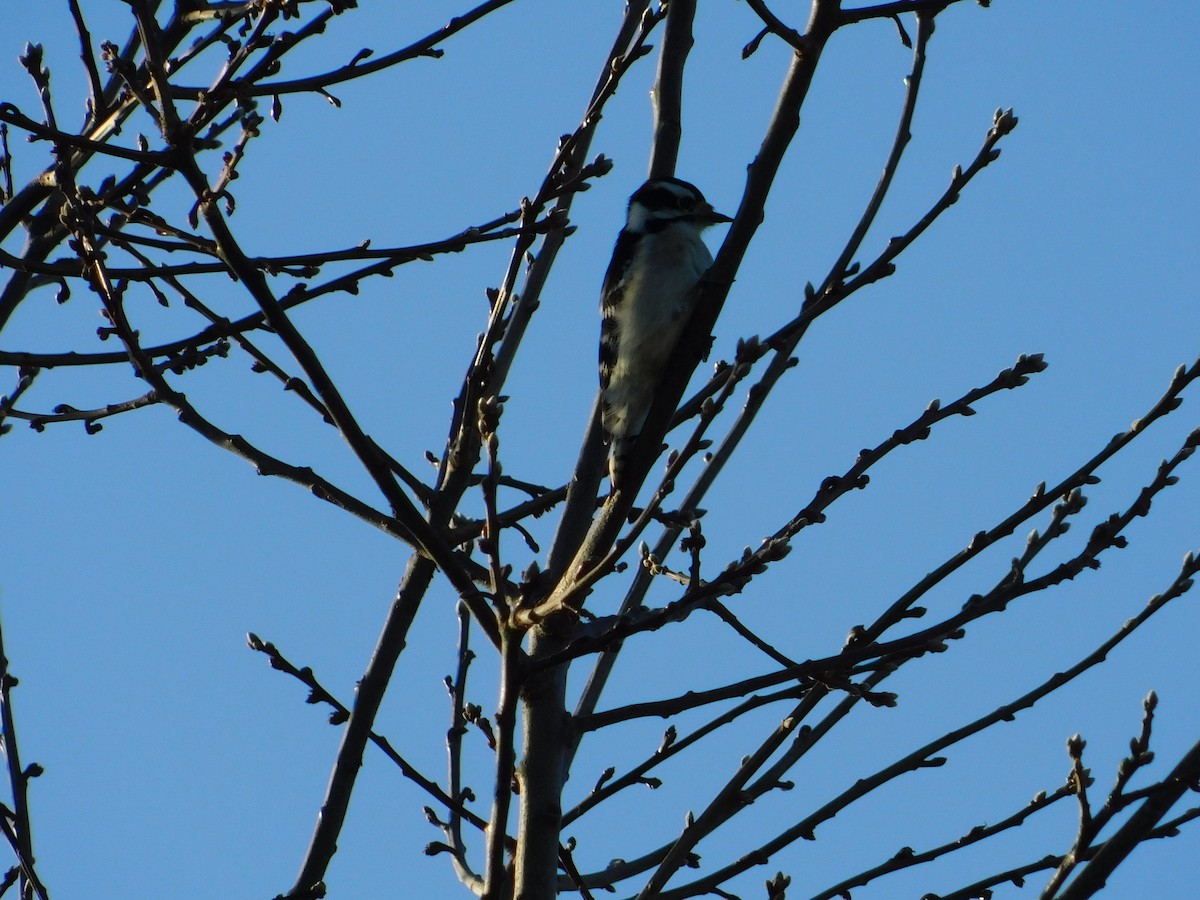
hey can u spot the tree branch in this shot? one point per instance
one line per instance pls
(19, 833)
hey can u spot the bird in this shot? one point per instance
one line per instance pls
(646, 301)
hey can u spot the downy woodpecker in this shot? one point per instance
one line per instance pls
(646, 302)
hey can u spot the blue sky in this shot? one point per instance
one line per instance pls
(134, 561)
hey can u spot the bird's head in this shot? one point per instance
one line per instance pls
(662, 202)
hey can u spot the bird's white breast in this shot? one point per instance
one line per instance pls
(658, 290)
(654, 308)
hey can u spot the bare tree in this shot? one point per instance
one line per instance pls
(124, 218)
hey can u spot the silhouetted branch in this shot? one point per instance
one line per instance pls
(898, 8)
(64, 412)
(25, 378)
(672, 745)
(317, 693)
(666, 97)
(457, 686)
(10, 115)
(772, 25)
(1018, 874)
(726, 615)
(300, 264)
(96, 106)
(906, 857)
(16, 823)
(359, 67)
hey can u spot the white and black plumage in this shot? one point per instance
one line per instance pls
(646, 301)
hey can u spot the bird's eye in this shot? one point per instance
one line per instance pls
(684, 203)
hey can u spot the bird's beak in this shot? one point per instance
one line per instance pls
(716, 218)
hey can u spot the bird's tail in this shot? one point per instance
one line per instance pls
(618, 452)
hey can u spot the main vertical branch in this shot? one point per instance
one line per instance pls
(545, 735)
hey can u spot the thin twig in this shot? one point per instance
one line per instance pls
(906, 857)
(19, 834)
(672, 745)
(317, 693)
(424, 47)
(454, 734)
(773, 25)
(96, 98)
(1139, 827)
(25, 378)
(496, 873)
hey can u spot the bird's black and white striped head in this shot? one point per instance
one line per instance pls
(663, 202)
